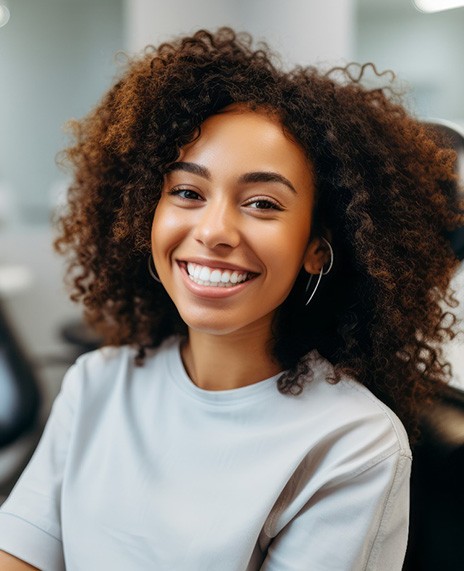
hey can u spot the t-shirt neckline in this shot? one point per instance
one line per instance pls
(181, 379)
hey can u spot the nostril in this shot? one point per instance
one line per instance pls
(217, 231)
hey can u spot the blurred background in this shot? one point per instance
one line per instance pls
(57, 57)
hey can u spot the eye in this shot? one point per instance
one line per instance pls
(185, 193)
(263, 204)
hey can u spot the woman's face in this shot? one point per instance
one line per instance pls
(231, 230)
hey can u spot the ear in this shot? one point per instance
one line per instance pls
(317, 255)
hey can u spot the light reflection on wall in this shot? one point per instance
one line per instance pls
(437, 5)
(4, 15)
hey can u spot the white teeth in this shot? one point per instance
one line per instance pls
(225, 277)
(215, 276)
(203, 275)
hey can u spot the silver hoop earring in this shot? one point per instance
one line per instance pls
(152, 269)
(321, 273)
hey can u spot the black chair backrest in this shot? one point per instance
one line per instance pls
(437, 479)
(19, 388)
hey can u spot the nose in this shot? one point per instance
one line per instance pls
(217, 226)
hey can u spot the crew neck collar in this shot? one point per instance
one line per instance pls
(179, 376)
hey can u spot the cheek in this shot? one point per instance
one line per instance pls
(163, 223)
(157, 221)
(159, 234)
(167, 231)
(290, 243)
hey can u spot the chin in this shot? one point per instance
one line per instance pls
(225, 322)
(211, 328)
(209, 322)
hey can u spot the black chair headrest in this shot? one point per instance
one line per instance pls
(452, 136)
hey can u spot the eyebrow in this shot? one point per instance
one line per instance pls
(265, 176)
(189, 167)
(250, 177)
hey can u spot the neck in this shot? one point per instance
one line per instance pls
(221, 362)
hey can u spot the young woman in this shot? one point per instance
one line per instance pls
(265, 255)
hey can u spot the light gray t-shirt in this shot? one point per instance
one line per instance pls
(139, 469)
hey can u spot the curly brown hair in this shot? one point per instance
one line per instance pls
(384, 185)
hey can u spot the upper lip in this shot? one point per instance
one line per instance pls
(219, 264)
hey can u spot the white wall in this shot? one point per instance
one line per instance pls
(152, 21)
(56, 59)
(302, 31)
(425, 50)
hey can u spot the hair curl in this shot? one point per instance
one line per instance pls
(384, 190)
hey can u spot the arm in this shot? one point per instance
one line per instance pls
(359, 523)
(10, 563)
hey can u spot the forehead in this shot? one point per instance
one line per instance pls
(247, 140)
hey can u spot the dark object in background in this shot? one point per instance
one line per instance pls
(81, 337)
(453, 136)
(437, 481)
(437, 489)
(19, 389)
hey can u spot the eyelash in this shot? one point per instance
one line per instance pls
(178, 191)
(272, 205)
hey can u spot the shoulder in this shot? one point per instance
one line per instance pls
(352, 421)
(111, 358)
(100, 372)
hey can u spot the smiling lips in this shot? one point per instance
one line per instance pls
(215, 277)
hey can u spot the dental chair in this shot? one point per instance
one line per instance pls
(19, 392)
(436, 537)
(19, 407)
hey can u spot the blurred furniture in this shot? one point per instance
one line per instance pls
(437, 479)
(437, 489)
(80, 336)
(19, 389)
(20, 394)
(453, 136)
(20, 402)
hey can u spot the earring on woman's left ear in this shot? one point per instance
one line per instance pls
(323, 272)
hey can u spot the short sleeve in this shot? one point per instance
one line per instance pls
(357, 524)
(30, 526)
